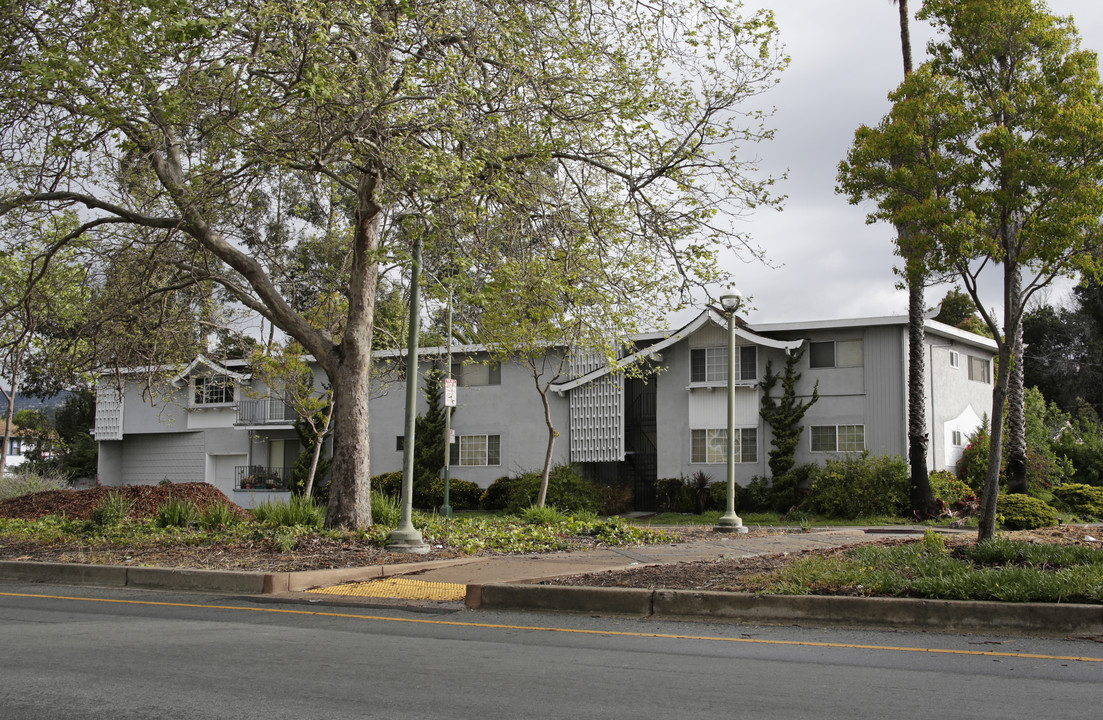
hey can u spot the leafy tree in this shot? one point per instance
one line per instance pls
(994, 149)
(785, 413)
(77, 449)
(44, 289)
(1064, 355)
(188, 119)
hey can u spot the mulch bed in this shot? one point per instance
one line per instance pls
(144, 499)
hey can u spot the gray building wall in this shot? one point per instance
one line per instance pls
(511, 410)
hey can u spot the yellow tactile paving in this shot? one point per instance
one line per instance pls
(399, 588)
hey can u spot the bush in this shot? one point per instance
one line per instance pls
(1082, 446)
(973, 465)
(672, 495)
(757, 496)
(615, 499)
(791, 489)
(298, 510)
(177, 512)
(388, 483)
(496, 496)
(462, 494)
(718, 496)
(22, 483)
(568, 490)
(218, 515)
(950, 489)
(1081, 499)
(385, 509)
(112, 510)
(1022, 512)
(860, 485)
(547, 515)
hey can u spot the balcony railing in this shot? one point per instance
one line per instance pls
(260, 477)
(264, 412)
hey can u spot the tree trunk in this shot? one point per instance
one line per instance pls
(319, 442)
(905, 36)
(1016, 410)
(542, 496)
(350, 373)
(922, 499)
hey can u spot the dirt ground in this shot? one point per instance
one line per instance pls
(322, 553)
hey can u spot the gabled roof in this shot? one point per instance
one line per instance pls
(210, 364)
(742, 330)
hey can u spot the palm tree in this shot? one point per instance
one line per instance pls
(922, 499)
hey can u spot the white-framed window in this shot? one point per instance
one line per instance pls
(474, 450)
(212, 390)
(956, 438)
(710, 364)
(955, 359)
(711, 445)
(980, 370)
(838, 438)
(835, 353)
(476, 374)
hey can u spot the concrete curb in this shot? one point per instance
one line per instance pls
(191, 580)
(887, 613)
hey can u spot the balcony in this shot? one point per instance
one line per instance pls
(259, 477)
(264, 412)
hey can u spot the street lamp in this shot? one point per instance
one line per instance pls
(729, 522)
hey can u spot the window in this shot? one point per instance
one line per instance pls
(215, 390)
(955, 438)
(710, 364)
(16, 447)
(838, 438)
(475, 374)
(955, 359)
(476, 450)
(400, 443)
(711, 446)
(979, 369)
(844, 353)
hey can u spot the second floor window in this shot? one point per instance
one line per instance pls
(710, 364)
(214, 390)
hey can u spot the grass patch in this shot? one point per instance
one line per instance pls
(999, 569)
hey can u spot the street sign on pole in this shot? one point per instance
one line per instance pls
(449, 392)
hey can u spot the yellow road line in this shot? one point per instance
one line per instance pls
(575, 631)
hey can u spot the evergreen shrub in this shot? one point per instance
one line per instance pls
(860, 485)
(568, 491)
(1081, 499)
(949, 488)
(1023, 512)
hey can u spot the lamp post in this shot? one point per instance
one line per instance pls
(729, 522)
(449, 403)
(407, 538)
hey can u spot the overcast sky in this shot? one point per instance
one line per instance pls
(845, 59)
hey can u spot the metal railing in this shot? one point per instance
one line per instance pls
(264, 412)
(261, 477)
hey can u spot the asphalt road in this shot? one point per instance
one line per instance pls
(89, 653)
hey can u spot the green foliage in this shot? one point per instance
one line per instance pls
(859, 485)
(934, 542)
(791, 489)
(177, 512)
(462, 494)
(973, 465)
(757, 496)
(24, 482)
(949, 488)
(385, 509)
(547, 515)
(77, 450)
(1023, 512)
(568, 490)
(998, 569)
(785, 414)
(218, 515)
(297, 510)
(472, 535)
(496, 496)
(112, 510)
(388, 483)
(308, 432)
(1081, 499)
(1081, 445)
